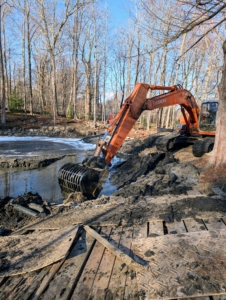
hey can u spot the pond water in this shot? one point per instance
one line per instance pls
(15, 182)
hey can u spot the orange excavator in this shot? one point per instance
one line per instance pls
(197, 126)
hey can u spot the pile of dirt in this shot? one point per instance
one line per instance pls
(154, 174)
(137, 145)
(17, 212)
(130, 211)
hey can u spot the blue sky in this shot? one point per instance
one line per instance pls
(118, 11)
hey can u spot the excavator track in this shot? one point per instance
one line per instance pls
(166, 142)
(203, 146)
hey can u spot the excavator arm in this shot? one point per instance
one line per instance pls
(135, 104)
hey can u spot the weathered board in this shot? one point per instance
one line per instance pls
(214, 223)
(24, 254)
(20, 288)
(86, 280)
(62, 285)
(155, 228)
(46, 280)
(103, 274)
(218, 191)
(119, 273)
(140, 231)
(194, 192)
(193, 225)
(176, 227)
(131, 287)
(28, 288)
(113, 248)
(10, 285)
(183, 265)
(220, 297)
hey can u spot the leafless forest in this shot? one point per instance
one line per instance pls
(70, 57)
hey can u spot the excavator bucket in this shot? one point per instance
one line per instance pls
(79, 178)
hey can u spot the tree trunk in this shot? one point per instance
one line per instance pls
(53, 84)
(128, 80)
(3, 115)
(218, 157)
(29, 56)
(7, 94)
(95, 76)
(161, 113)
(24, 70)
(88, 96)
(74, 89)
(104, 82)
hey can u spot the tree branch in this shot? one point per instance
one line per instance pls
(208, 31)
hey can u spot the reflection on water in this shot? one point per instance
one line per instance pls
(15, 182)
(43, 181)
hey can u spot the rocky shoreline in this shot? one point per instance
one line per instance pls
(50, 131)
(28, 163)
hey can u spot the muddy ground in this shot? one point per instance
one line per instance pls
(28, 163)
(145, 179)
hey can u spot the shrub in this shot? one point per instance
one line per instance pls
(69, 112)
(15, 103)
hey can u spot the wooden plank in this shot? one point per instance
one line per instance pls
(194, 192)
(46, 280)
(218, 191)
(8, 287)
(214, 223)
(102, 277)
(35, 251)
(113, 249)
(116, 288)
(199, 298)
(176, 227)
(183, 265)
(193, 225)
(131, 286)
(219, 297)
(19, 290)
(155, 228)
(29, 290)
(2, 279)
(140, 231)
(86, 280)
(62, 286)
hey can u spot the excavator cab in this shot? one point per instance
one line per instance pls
(208, 116)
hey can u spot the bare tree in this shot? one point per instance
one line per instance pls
(218, 157)
(51, 29)
(3, 91)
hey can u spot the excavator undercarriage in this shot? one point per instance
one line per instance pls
(200, 146)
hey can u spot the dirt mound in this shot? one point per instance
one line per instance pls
(137, 145)
(154, 174)
(17, 212)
